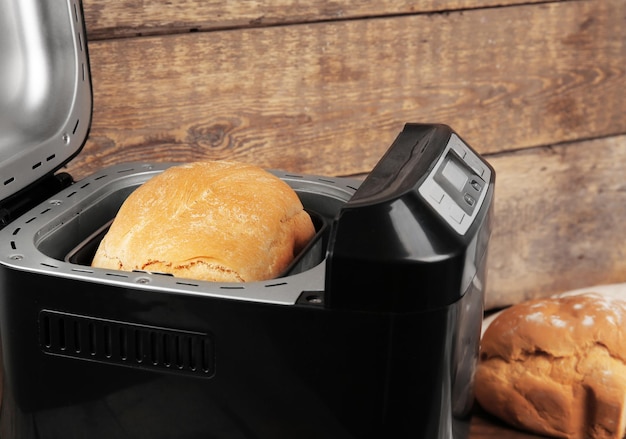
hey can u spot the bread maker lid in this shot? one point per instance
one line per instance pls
(45, 89)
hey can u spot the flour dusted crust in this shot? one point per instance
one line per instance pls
(215, 221)
(557, 366)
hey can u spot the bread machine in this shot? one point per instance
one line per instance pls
(372, 333)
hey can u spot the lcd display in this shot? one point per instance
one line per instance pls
(455, 175)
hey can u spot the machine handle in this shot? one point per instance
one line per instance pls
(403, 165)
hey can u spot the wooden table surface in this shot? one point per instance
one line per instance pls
(485, 426)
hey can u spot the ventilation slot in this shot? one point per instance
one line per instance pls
(126, 344)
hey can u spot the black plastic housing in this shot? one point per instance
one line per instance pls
(271, 371)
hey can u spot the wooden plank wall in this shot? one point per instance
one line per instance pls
(323, 87)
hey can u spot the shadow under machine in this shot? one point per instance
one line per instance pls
(373, 332)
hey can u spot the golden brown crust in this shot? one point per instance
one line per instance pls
(215, 221)
(557, 367)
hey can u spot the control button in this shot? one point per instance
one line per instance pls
(459, 150)
(456, 213)
(476, 185)
(436, 193)
(458, 146)
(475, 164)
(469, 199)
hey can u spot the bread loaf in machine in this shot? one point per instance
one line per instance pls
(211, 220)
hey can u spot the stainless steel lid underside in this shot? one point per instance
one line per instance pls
(45, 90)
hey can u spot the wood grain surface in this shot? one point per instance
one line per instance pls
(111, 19)
(324, 87)
(559, 220)
(328, 98)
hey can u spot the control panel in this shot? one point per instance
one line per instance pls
(457, 185)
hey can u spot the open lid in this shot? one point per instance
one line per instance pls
(45, 89)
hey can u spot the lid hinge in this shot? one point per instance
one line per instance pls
(32, 195)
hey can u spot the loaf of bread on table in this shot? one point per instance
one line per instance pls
(215, 221)
(557, 366)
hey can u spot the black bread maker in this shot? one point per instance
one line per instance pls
(373, 332)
